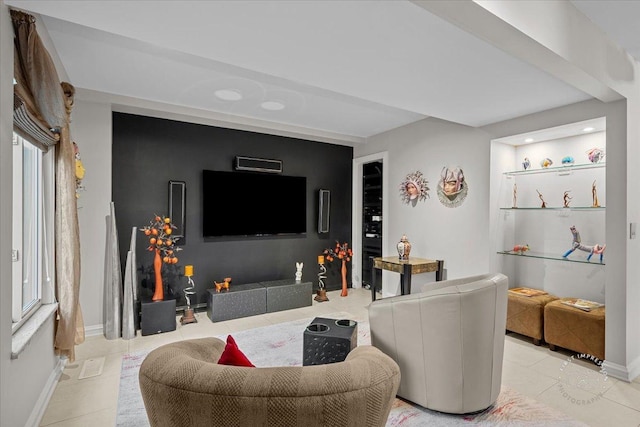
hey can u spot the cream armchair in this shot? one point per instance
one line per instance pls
(448, 341)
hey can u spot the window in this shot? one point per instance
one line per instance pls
(32, 240)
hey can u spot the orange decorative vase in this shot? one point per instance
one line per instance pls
(343, 271)
(157, 268)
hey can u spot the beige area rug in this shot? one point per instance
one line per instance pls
(281, 345)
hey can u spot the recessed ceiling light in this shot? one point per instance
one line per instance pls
(272, 105)
(589, 129)
(528, 140)
(228, 95)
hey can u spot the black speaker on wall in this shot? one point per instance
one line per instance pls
(324, 205)
(258, 165)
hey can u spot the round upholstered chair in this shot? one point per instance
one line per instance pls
(448, 340)
(182, 385)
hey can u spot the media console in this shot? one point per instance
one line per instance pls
(257, 298)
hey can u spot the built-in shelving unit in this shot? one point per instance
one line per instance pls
(565, 169)
(574, 196)
(540, 255)
(534, 221)
(570, 208)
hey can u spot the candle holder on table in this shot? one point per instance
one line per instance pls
(321, 294)
(189, 316)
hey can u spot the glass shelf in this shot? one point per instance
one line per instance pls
(570, 208)
(595, 259)
(558, 169)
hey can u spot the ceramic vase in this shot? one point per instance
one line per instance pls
(343, 272)
(158, 295)
(404, 248)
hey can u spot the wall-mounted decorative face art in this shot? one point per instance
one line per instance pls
(452, 188)
(414, 188)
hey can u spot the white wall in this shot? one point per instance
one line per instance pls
(582, 55)
(457, 235)
(25, 383)
(461, 236)
(91, 130)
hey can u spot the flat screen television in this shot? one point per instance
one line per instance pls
(253, 204)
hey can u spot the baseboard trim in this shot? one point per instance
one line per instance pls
(35, 418)
(94, 330)
(625, 373)
(634, 369)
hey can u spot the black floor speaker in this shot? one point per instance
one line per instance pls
(157, 317)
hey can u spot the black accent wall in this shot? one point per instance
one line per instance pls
(149, 152)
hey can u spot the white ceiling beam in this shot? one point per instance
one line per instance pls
(550, 35)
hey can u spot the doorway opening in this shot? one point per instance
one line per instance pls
(372, 197)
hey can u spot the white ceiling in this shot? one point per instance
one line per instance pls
(345, 70)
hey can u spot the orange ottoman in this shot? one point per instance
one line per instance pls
(574, 329)
(525, 314)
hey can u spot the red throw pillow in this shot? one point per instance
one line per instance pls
(233, 356)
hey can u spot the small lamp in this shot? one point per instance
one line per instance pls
(321, 294)
(189, 316)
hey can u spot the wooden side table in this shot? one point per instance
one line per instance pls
(406, 268)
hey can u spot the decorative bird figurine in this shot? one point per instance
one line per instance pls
(526, 164)
(546, 162)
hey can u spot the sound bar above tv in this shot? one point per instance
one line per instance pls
(258, 165)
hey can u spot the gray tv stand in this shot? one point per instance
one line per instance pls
(251, 299)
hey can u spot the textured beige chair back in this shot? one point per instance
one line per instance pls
(448, 341)
(182, 385)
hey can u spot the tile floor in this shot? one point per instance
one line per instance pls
(534, 371)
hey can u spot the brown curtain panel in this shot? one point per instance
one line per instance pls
(39, 109)
(70, 326)
(42, 113)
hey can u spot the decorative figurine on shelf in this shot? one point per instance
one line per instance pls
(515, 196)
(321, 294)
(544, 204)
(189, 290)
(162, 242)
(594, 195)
(546, 162)
(404, 248)
(414, 188)
(566, 199)
(577, 244)
(526, 164)
(521, 248)
(224, 285)
(344, 253)
(567, 160)
(299, 271)
(595, 155)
